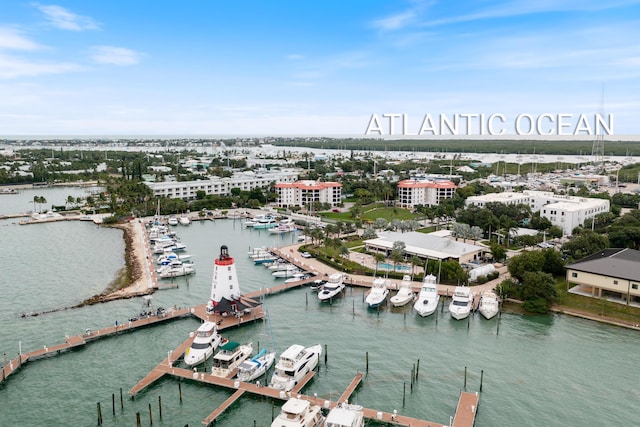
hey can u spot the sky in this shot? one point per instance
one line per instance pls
(290, 67)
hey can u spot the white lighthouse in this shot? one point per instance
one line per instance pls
(225, 290)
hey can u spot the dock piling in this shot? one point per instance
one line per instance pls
(465, 378)
(366, 364)
(160, 406)
(417, 369)
(121, 401)
(404, 393)
(150, 416)
(113, 404)
(325, 354)
(138, 420)
(481, 375)
(99, 415)
(180, 390)
(306, 299)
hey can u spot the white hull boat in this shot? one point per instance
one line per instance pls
(299, 413)
(294, 363)
(333, 287)
(184, 220)
(205, 342)
(461, 302)
(177, 271)
(286, 273)
(489, 304)
(345, 415)
(171, 256)
(249, 370)
(172, 220)
(428, 298)
(405, 294)
(378, 293)
(229, 357)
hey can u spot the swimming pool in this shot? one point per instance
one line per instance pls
(387, 266)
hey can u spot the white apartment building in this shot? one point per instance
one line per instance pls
(412, 192)
(304, 193)
(567, 212)
(245, 181)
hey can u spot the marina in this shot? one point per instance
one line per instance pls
(295, 314)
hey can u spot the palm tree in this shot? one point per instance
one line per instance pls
(415, 261)
(379, 258)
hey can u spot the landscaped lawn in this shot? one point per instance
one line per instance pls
(388, 214)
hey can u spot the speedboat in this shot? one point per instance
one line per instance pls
(378, 293)
(293, 365)
(266, 222)
(172, 220)
(405, 294)
(489, 304)
(229, 357)
(427, 301)
(332, 288)
(289, 272)
(461, 302)
(297, 277)
(299, 413)
(345, 415)
(170, 256)
(175, 269)
(249, 370)
(184, 220)
(205, 342)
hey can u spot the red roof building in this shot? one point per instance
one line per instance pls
(413, 192)
(305, 193)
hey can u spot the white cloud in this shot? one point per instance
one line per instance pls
(11, 38)
(395, 22)
(61, 18)
(12, 67)
(115, 55)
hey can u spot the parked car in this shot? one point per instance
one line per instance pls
(306, 255)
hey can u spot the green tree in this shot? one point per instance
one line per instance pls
(499, 252)
(538, 291)
(526, 262)
(586, 243)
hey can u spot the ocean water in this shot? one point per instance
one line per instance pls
(538, 370)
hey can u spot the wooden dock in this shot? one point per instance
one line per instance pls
(466, 410)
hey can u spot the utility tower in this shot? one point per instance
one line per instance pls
(597, 149)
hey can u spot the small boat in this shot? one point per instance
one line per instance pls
(316, 285)
(281, 265)
(172, 220)
(229, 357)
(289, 272)
(489, 304)
(333, 287)
(297, 277)
(345, 415)
(283, 227)
(170, 256)
(205, 342)
(176, 269)
(294, 363)
(249, 370)
(460, 305)
(378, 293)
(9, 191)
(299, 413)
(405, 294)
(266, 222)
(428, 298)
(184, 220)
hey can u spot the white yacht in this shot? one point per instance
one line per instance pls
(229, 357)
(172, 220)
(489, 304)
(175, 268)
(332, 288)
(345, 415)
(378, 293)
(184, 220)
(257, 366)
(405, 294)
(299, 413)
(428, 298)
(461, 302)
(206, 340)
(293, 365)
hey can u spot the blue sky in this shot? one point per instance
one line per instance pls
(297, 67)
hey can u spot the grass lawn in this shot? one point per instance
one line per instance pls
(338, 216)
(596, 306)
(388, 214)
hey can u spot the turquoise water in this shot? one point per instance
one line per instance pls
(538, 371)
(387, 266)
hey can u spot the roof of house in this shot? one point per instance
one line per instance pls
(622, 263)
(425, 245)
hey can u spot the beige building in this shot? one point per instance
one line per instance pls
(610, 273)
(413, 192)
(305, 193)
